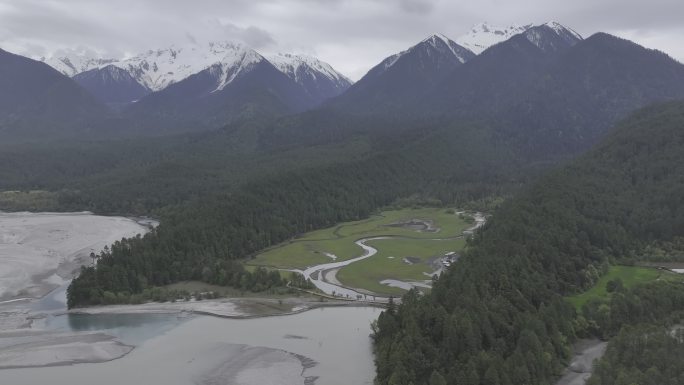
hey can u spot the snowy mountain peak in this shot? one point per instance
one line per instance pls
(482, 36)
(434, 39)
(74, 61)
(320, 79)
(296, 66)
(552, 36)
(234, 64)
(446, 45)
(438, 43)
(157, 69)
(560, 29)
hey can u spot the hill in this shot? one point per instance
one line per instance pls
(38, 101)
(498, 315)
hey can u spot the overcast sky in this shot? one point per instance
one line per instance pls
(351, 35)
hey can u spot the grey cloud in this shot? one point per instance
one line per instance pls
(191, 38)
(417, 6)
(254, 37)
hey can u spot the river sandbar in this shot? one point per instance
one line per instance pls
(41, 251)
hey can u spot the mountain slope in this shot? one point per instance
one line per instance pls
(111, 85)
(576, 98)
(74, 62)
(242, 86)
(404, 77)
(482, 36)
(551, 94)
(437, 76)
(35, 98)
(497, 316)
(495, 77)
(319, 79)
(544, 95)
(155, 70)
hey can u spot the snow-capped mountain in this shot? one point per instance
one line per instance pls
(484, 35)
(317, 77)
(404, 77)
(239, 88)
(73, 62)
(111, 85)
(155, 70)
(495, 76)
(36, 101)
(440, 45)
(558, 38)
(235, 64)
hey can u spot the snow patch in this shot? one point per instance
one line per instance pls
(298, 66)
(482, 36)
(561, 29)
(235, 64)
(158, 69)
(437, 42)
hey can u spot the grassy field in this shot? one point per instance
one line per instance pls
(630, 276)
(35, 200)
(310, 248)
(225, 291)
(389, 263)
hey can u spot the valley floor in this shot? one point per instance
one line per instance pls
(382, 256)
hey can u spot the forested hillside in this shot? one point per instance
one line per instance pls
(498, 316)
(37, 100)
(201, 238)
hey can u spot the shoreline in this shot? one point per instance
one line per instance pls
(231, 308)
(41, 349)
(41, 251)
(30, 347)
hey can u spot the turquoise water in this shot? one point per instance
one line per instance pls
(173, 351)
(131, 329)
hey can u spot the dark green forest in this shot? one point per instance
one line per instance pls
(498, 316)
(203, 238)
(644, 354)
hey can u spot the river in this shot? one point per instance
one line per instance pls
(40, 343)
(200, 349)
(325, 282)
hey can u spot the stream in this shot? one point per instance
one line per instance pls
(170, 344)
(317, 273)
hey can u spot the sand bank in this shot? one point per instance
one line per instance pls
(37, 349)
(40, 251)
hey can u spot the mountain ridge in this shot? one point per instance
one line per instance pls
(37, 99)
(403, 77)
(159, 68)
